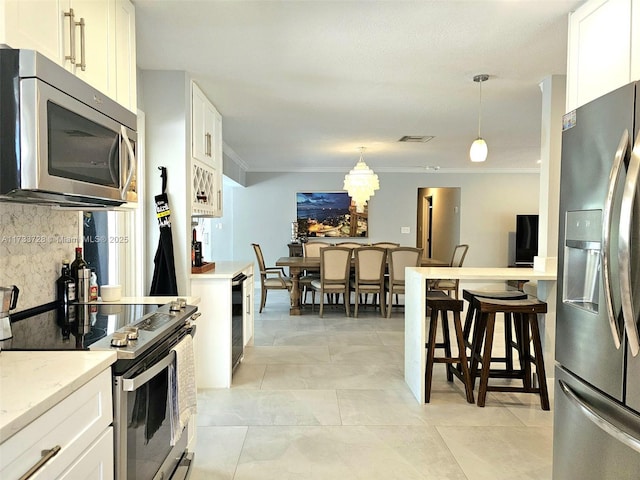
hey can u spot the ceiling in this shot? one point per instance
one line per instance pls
(301, 85)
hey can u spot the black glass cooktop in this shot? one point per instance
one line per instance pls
(57, 329)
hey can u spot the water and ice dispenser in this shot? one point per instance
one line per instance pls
(582, 251)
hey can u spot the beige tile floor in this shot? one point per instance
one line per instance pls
(325, 398)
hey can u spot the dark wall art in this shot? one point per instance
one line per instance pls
(329, 214)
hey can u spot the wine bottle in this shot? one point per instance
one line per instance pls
(76, 267)
(193, 248)
(66, 295)
(66, 287)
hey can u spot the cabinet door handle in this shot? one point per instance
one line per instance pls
(72, 37)
(248, 310)
(83, 63)
(46, 456)
(219, 200)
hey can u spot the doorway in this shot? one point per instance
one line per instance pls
(438, 222)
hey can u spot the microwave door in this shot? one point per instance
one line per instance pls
(72, 147)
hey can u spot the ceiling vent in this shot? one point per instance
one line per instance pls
(416, 138)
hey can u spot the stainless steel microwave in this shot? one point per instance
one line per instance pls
(62, 141)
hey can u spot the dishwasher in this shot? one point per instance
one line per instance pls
(237, 319)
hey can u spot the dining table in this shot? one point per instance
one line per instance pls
(297, 265)
(416, 304)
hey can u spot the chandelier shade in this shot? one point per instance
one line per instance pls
(361, 183)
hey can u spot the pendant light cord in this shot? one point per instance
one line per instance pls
(480, 109)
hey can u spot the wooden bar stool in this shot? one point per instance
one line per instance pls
(472, 317)
(441, 303)
(525, 317)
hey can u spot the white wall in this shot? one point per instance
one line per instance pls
(166, 103)
(263, 211)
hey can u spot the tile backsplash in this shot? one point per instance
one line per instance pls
(33, 242)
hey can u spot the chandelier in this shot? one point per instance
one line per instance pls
(479, 150)
(361, 183)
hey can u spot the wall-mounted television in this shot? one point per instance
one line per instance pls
(526, 239)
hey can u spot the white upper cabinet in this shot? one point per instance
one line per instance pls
(603, 49)
(199, 134)
(125, 52)
(94, 39)
(635, 40)
(35, 25)
(206, 152)
(206, 129)
(89, 44)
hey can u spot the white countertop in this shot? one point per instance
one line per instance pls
(33, 382)
(149, 300)
(484, 273)
(223, 270)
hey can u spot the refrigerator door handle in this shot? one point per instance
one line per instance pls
(589, 412)
(607, 224)
(627, 280)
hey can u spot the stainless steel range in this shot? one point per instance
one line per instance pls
(143, 337)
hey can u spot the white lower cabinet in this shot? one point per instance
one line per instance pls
(75, 435)
(213, 340)
(96, 462)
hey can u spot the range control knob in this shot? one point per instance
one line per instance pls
(119, 339)
(131, 332)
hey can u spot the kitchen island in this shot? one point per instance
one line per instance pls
(214, 335)
(416, 308)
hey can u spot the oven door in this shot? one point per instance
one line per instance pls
(68, 147)
(142, 423)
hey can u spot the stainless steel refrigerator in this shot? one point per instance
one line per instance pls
(597, 376)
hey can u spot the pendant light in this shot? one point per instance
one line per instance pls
(479, 150)
(361, 183)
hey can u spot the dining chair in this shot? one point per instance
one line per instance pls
(335, 265)
(371, 263)
(351, 245)
(385, 244)
(398, 259)
(271, 278)
(311, 249)
(446, 285)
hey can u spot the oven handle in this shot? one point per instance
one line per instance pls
(132, 384)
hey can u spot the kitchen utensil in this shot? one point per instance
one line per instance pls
(9, 296)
